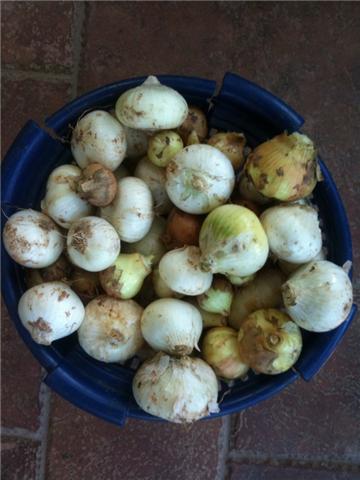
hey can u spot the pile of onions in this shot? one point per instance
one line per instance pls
(164, 237)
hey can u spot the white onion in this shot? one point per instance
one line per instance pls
(293, 232)
(93, 244)
(318, 296)
(171, 326)
(155, 179)
(151, 106)
(62, 202)
(98, 138)
(151, 244)
(199, 178)
(32, 239)
(110, 331)
(179, 390)
(131, 213)
(180, 270)
(50, 311)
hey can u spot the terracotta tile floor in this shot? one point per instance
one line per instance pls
(306, 53)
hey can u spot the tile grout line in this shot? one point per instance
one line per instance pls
(78, 31)
(19, 74)
(224, 447)
(43, 431)
(19, 432)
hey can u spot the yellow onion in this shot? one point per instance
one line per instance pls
(125, 277)
(231, 144)
(194, 122)
(232, 241)
(247, 191)
(218, 298)
(263, 292)
(193, 138)
(85, 284)
(220, 349)
(180, 390)
(182, 229)
(238, 280)
(163, 146)
(284, 167)
(209, 319)
(269, 341)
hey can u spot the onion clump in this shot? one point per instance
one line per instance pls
(180, 390)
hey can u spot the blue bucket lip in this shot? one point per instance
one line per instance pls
(74, 381)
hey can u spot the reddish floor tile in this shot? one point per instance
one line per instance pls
(27, 99)
(38, 35)
(20, 383)
(82, 447)
(310, 421)
(266, 472)
(18, 459)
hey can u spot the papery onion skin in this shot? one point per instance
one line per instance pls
(50, 311)
(98, 138)
(318, 296)
(232, 145)
(172, 326)
(180, 390)
(124, 279)
(151, 106)
(233, 242)
(32, 239)
(92, 244)
(182, 229)
(269, 341)
(97, 185)
(59, 271)
(155, 179)
(284, 167)
(151, 244)
(180, 270)
(62, 201)
(195, 121)
(220, 349)
(199, 178)
(111, 330)
(163, 146)
(132, 212)
(247, 191)
(293, 232)
(263, 292)
(85, 284)
(218, 298)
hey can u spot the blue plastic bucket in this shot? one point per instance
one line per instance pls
(105, 389)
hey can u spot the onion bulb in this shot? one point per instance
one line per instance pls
(218, 298)
(199, 178)
(194, 122)
(111, 331)
(163, 146)
(85, 284)
(182, 229)
(92, 244)
(97, 185)
(293, 232)
(284, 167)
(231, 144)
(180, 390)
(263, 292)
(269, 341)
(62, 201)
(209, 319)
(32, 239)
(131, 213)
(60, 271)
(248, 191)
(238, 280)
(180, 270)
(160, 287)
(125, 277)
(318, 296)
(50, 311)
(220, 349)
(287, 267)
(171, 326)
(136, 141)
(232, 241)
(98, 138)
(151, 244)
(155, 179)
(192, 139)
(151, 106)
